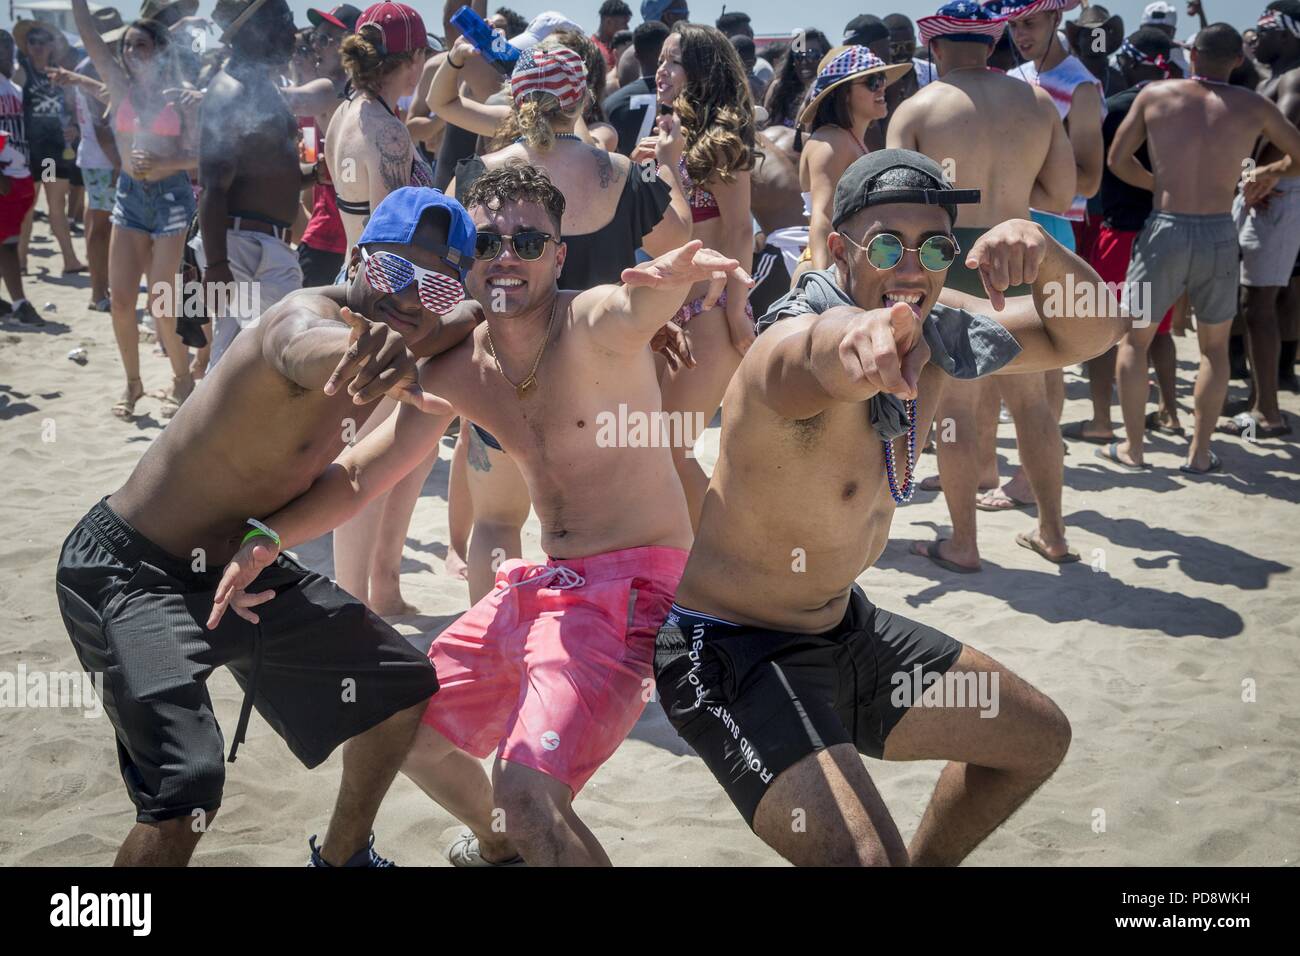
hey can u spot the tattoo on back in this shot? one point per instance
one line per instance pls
(394, 145)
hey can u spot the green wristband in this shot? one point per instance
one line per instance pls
(260, 530)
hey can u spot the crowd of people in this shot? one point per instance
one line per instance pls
(508, 230)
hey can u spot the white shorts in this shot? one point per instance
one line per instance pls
(265, 269)
(1269, 237)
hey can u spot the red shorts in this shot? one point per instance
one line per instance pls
(14, 206)
(1111, 253)
(554, 666)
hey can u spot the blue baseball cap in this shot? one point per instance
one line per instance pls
(395, 220)
(655, 9)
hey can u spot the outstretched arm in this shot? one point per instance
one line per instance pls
(360, 474)
(100, 53)
(625, 317)
(1072, 315)
(805, 364)
(446, 102)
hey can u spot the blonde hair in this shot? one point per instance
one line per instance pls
(366, 66)
(532, 119)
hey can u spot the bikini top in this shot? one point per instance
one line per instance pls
(702, 202)
(421, 174)
(167, 122)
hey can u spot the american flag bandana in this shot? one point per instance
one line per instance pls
(1137, 56)
(856, 59)
(1019, 9)
(557, 70)
(963, 18)
(389, 273)
(1275, 20)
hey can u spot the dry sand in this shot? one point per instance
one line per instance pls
(1186, 595)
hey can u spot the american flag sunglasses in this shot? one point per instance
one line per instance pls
(390, 273)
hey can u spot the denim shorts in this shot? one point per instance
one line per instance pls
(164, 208)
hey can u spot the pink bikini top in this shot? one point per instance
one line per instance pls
(166, 123)
(703, 205)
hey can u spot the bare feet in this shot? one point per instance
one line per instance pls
(124, 407)
(392, 607)
(455, 565)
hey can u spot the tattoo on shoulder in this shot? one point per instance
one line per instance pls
(604, 168)
(394, 145)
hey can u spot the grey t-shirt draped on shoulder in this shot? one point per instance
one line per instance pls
(962, 343)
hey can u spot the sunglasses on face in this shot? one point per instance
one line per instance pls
(803, 56)
(322, 40)
(390, 273)
(39, 40)
(885, 250)
(875, 82)
(528, 244)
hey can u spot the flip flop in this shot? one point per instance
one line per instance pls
(1241, 425)
(1155, 425)
(1070, 556)
(1001, 496)
(1111, 454)
(931, 551)
(1215, 465)
(1074, 432)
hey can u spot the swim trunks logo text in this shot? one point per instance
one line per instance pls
(74, 909)
(637, 429)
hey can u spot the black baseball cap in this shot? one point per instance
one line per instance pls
(864, 30)
(344, 15)
(857, 187)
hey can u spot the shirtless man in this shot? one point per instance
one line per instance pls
(551, 668)
(1034, 27)
(248, 164)
(1189, 243)
(1003, 137)
(1269, 231)
(773, 665)
(137, 575)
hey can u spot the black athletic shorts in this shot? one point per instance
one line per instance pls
(319, 267)
(320, 667)
(754, 702)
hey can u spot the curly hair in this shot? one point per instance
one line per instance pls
(517, 182)
(785, 95)
(366, 66)
(716, 108)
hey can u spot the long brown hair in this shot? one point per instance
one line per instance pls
(716, 108)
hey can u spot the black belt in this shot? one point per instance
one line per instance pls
(247, 224)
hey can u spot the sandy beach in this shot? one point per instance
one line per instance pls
(1173, 648)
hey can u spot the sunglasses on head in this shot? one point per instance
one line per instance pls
(885, 250)
(390, 273)
(528, 244)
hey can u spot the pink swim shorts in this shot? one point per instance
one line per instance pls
(554, 666)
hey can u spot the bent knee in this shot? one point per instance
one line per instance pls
(1052, 735)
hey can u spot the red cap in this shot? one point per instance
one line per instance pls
(403, 28)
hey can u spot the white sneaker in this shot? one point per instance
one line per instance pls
(464, 851)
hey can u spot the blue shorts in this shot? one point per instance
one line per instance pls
(1058, 227)
(164, 208)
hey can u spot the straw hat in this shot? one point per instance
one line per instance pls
(844, 64)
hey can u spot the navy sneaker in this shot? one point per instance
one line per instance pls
(366, 856)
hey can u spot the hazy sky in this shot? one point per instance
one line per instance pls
(775, 16)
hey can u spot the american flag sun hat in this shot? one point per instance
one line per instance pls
(841, 65)
(962, 19)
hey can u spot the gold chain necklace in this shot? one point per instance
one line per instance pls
(531, 381)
